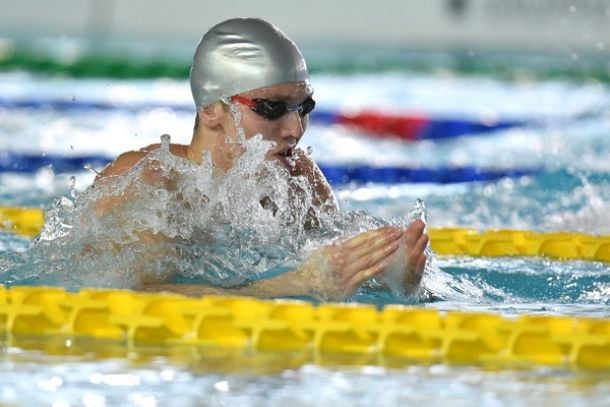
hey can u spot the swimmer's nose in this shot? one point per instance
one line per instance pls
(293, 125)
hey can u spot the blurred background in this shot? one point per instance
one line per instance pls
(574, 32)
(496, 112)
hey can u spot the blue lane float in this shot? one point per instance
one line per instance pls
(410, 127)
(341, 175)
(64, 105)
(15, 162)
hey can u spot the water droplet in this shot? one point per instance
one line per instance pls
(309, 150)
(72, 183)
(165, 141)
(89, 168)
(420, 211)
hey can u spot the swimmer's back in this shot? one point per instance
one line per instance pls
(129, 159)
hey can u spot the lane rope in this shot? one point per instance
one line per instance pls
(407, 126)
(444, 241)
(124, 64)
(395, 334)
(28, 163)
(363, 174)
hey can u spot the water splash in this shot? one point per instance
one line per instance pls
(591, 217)
(236, 116)
(190, 222)
(177, 219)
(90, 168)
(419, 211)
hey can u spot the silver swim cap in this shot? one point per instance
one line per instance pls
(242, 54)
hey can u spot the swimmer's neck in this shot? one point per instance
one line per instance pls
(194, 150)
(218, 147)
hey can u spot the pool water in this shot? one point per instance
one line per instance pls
(564, 138)
(99, 374)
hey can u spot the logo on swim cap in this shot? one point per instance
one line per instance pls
(242, 54)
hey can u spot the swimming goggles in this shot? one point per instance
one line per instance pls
(273, 110)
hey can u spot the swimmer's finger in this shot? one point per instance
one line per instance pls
(422, 243)
(365, 238)
(414, 231)
(416, 252)
(421, 265)
(373, 258)
(419, 269)
(414, 276)
(374, 242)
(379, 245)
(359, 278)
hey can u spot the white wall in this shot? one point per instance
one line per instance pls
(516, 24)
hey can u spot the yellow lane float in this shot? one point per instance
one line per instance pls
(446, 241)
(395, 335)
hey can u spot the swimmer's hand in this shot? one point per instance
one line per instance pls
(336, 271)
(415, 259)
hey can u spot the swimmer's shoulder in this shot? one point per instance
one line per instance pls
(323, 196)
(130, 159)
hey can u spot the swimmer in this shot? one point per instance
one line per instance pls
(249, 65)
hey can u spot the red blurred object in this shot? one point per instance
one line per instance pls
(407, 128)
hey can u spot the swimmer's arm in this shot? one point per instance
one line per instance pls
(336, 271)
(284, 285)
(333, 272)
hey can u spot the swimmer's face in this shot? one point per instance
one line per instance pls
(287, 130)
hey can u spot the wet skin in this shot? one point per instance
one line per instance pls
(332, 272)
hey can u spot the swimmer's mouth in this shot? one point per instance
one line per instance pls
(286, 157)
(288, 153)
